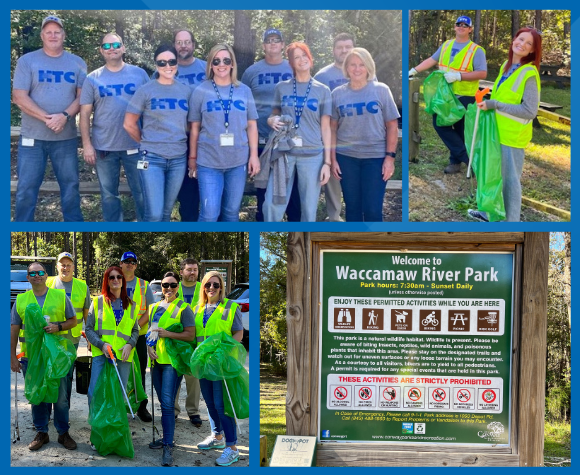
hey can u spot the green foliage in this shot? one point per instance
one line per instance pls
(272, 405)
(557, 444)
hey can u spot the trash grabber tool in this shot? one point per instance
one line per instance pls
(120, 381)
(479, 95)
(233, 408)
(153, 444)
(16, 428)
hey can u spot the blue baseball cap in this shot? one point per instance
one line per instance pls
(466, 20)
(270, 32)
(128, 255)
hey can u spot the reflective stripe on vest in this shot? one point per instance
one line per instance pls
(215, 324)
(170, 316)
(78, 296)
(463, 63)
(107, 329)
(141, 301)
(196, 293)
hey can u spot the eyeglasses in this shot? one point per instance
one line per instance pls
(115, 277)
(162, 63)
(218, 61)
(130, 263)
(462, 25)
(208, 285)
(184, 43)
(269, 41)
(166, 285)
(34, 273)
(115, 45)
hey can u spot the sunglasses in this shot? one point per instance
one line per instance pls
(463, 25)
(208, 285)
(115, 277)
(162, 63)
(270, 41)
(218, 61)
(166, 285)
(34, 273)
(131, 263)
(115, 45)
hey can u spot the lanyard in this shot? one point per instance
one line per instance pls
(299, 109)
(229, 105)
(205, 313)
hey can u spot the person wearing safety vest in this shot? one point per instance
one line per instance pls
(215, 314)
(163, 314)
(189, 290)
(139, 292)
(464, 65)
(112, 322)
(59, 308)
(515, 99)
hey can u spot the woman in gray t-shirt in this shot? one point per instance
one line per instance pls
(364, 137)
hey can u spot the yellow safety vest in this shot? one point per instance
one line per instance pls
(463, 63)
(171, 315)
(78, 295)
(514, 131)
(140, 300)
(106, 327)
(196, 293)
(221, 320)
(54, 306)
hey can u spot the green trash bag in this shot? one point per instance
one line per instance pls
(50, 358)
(221, 358)
(440, 100)
(486, 161)
(179, 352)
(108, 416)
(135, 381)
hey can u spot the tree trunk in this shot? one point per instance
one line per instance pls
(477, 27)
(538, 20)
(515, 22)
(244, 40)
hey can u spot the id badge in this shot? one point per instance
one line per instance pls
(297, 141)
(27, 142)
(132, 151)
(226, 140)
(262, 141)
(142, 165)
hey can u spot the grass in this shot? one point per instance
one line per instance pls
(557, 444)
(272, 405)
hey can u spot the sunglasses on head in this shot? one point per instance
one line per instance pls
(162, 63)
(208, 285)
(218, 61)
(166, 285)
(115, 45)
(115, 277)
(34, 273)
(131, 262)
(539, 32)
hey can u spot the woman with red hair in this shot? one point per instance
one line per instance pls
(515, 99)
(112, 322)
(306, 104)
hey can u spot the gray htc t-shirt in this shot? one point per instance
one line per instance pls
(479, 62)
(163, 109)
(318, 103)
(148, 293)
(52, 84)
(191, 75)
(109, 93)
(331, 76)
(262, 78)
(207, 109)
(361, 116)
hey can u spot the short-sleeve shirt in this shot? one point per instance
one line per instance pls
(187, 318)
(207, 109)
(262, 78)
(361, 116)
(191, 75)
(479, 61)
(318, 104)
(331, 76)
(149, 299)
(163, 109)
(109, 93)
(236, 324)
(52, 83)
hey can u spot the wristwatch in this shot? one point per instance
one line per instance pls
(391, 154)
(60, 327)
(67, 115)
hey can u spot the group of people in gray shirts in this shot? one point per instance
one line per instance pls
(193, 132)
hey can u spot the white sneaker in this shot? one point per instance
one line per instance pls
(228, 457)
(211, 442)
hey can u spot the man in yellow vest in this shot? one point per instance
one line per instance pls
(189, 290)
(139, 291)
(58, 306)
(77, 291)
(464, 65)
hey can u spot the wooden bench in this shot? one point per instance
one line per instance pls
(549, 72)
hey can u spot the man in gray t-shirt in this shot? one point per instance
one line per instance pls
(105, 94)
(46, 88)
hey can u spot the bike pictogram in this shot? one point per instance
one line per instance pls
(365, 393)
(390, 394)
(488, 395)
(439, 395)
(414, 394)
(340, 393)
(464, 395)
(430, 320)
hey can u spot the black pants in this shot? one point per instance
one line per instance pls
(453, 135)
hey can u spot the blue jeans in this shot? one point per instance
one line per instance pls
(97, 366)
(221, 193)
(161, 183)
(166, 383)
(363, 188)
(108, 167)
(214, 400)
(308, 170)
(31, 167)
(453, 135)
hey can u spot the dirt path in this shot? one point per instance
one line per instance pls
(185, 453)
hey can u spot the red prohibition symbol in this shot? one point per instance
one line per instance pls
(414, 394)
(365, 393)
(489, 395)
(439, 394)
(463, 395)
(389, 394)
(340, 393)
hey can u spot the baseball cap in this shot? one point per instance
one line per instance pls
(466, 20)
(270, 32)
(52, 19)
(63, 255)
(128, 255)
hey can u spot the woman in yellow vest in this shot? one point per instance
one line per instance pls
(112, 322)
(162, 315)
(215, 314)
(515, 99)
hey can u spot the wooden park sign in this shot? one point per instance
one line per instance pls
(418, 348)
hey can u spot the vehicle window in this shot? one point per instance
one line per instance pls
(155, 287)
(18, 276)
(239, 293)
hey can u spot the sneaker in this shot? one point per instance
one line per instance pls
(144, 414)
(195, 420)
(228, 457)
(167, 457)
(40, 439)
(93, 447)
(210, 442)
(452, 168)
(66, 440)
(477, 215)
